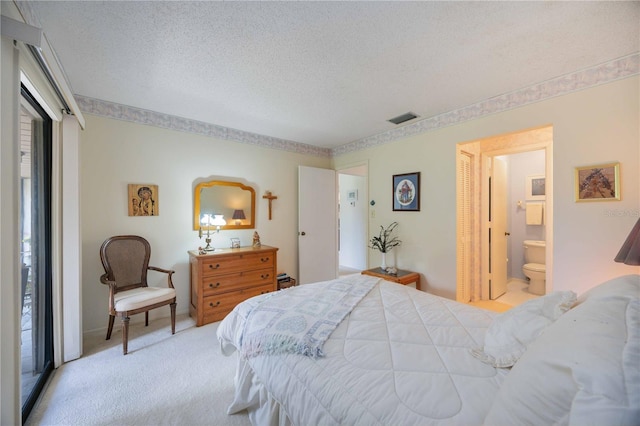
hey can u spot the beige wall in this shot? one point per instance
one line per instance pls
(115, 153)
(592, 126)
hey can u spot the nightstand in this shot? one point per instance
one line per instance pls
(401, 277)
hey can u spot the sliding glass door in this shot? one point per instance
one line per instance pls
(35, 259)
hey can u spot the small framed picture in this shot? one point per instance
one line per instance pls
(597, 183)
(406, 192)
(143, 200)
(235, 242)
(535, 189)
(352, 195)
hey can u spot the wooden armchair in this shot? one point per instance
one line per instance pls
(126, 262)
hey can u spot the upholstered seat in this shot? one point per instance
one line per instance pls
(126, 262)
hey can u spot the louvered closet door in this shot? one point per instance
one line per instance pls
(464, 205)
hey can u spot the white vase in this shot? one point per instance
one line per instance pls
(383, 262)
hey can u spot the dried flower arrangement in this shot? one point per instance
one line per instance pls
(384, 242)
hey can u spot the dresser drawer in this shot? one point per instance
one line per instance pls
(217, 284)
(243, 262)
(225, 277)
(216, 307)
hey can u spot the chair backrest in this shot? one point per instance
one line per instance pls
(125, 259)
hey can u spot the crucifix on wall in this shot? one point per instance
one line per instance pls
(269, 196)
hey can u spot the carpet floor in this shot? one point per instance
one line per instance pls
(165, 379)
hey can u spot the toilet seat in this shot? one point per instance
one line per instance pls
(536, 267)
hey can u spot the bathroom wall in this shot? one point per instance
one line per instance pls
(519, 166)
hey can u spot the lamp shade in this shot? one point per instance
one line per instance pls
(206, 219)
(629, 254)
(218, 220)
(238, 214)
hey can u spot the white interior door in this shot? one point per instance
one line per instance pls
(499, 232)
(317, 225)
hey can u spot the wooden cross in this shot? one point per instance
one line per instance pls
(269, 197)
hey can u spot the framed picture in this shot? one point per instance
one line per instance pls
(235, 242)
(406, 192)
(597, 183)
(143, 200)
(352, 195)
(535, 189)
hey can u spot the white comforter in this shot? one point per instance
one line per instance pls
(402, 357)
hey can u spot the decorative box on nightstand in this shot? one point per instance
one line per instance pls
(289, 282)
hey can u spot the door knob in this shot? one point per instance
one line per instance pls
(303, 233)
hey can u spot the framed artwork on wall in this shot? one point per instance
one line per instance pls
(406, 192)
(535, 189)
(143, 200)
(598, 183)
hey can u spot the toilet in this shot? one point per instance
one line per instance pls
(534, 267)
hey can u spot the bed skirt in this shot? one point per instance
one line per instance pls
(252, 395)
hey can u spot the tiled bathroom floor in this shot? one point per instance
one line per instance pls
(517, 293)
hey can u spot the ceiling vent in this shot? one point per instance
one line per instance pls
(403, 118)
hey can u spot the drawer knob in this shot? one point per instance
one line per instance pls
(264, 276)
(214, 267)
(212, 305)
(264, 259)
(212, 286)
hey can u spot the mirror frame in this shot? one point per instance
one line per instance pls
(196, 206)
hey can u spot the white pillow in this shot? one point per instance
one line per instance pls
(511, 332)
(583, 370)
(625, 285)
(611, 397)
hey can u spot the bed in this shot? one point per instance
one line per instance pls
(401, 356)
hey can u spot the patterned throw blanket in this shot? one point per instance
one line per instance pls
(300, 319)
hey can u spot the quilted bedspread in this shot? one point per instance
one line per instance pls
(300, 320)
(401, 356)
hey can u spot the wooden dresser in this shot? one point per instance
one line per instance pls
(225, 277)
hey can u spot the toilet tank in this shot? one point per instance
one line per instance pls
(534, 251)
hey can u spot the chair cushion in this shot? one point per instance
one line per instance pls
(141, 297)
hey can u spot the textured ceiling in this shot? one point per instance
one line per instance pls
(325, 73)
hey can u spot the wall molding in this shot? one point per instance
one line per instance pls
(607, 72)
(142, 116)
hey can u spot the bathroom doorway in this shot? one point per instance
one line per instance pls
(516, 216)
(475, 161)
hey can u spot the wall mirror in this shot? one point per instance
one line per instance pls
(235, 201)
